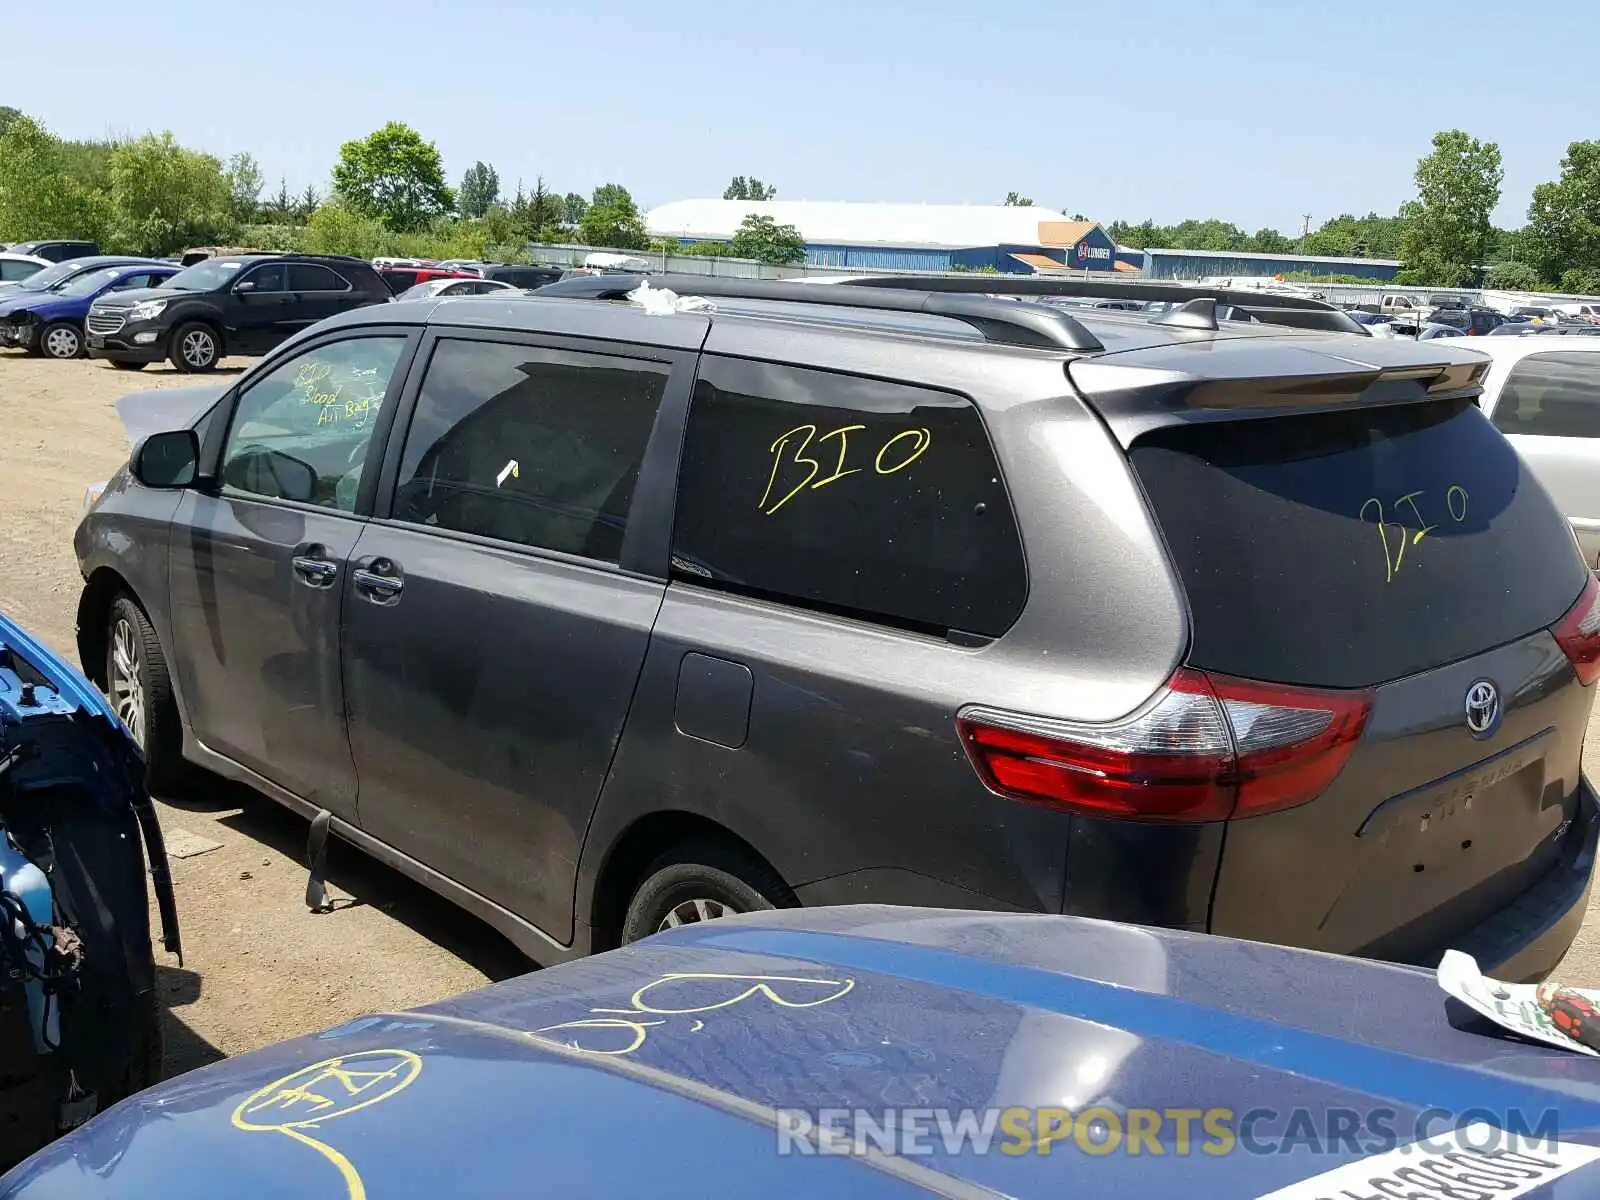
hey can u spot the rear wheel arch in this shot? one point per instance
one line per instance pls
(636, 853)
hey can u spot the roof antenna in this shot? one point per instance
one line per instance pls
(1199, 313)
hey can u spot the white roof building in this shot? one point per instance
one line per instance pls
(849, 223)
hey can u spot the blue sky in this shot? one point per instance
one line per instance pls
(1251, 111)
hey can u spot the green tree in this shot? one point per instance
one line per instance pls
(244, 188)
(1513, 276)
(608, 194)
(1017, 200)
(573, 207)
(1563, 230)
(7, 116)
(480, 189)
(1447, 232)
(164, 197)
(537, 216)
(308, 202)
(763, 239)
(40, 196)
(752, 188)
(1581, 281)
(1270, 241)
(394, 176)
(612, 219)
(1327, 243)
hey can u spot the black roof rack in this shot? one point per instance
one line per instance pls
(1002, 321)
(1271, 308)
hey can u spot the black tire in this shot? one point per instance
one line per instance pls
(158, 729)
(701, 871)
(122, 365)
(67, 339)
(186, 349)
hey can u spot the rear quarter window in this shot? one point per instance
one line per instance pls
(850, 495)
(1347, 549)
(1551, 395)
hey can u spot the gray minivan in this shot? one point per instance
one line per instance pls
(599, 621)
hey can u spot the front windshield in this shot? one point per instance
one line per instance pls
(88, 283)
(205, 276)
(51, 276)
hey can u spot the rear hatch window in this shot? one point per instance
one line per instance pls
(1347, 549)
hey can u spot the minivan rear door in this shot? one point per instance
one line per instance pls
(1549, 408)
(500, 607)
(1403, 555)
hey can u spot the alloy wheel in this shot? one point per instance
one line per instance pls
(61, 343)
(692, 912)
(127, 691)
(198, 348)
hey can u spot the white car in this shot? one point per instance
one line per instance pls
(438, 289)
(1543, 393)
(14, 268)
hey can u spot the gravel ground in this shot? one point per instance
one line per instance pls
(259, 967)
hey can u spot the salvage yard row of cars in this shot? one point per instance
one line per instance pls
(135, 311)
(616, 619)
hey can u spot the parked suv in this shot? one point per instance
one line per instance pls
(234, 304)
(1474, 322)
(600, 622)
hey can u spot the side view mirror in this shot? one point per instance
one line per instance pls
(243, 286)
(167, 460)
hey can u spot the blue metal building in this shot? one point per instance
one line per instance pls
(1203, 264)
(907, 237)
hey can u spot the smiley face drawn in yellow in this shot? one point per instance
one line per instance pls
(334, 1087)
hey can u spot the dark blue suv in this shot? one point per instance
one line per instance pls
(48, 318)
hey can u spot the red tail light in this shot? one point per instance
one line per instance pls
(1578, 633)
(1206, 749)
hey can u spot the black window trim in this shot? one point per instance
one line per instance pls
(258, 266)
(348, 286)
(874, 620)
(646, 546)
(219, 431)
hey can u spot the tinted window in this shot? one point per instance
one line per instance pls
(535, 446)
(1557, 395)
(273, 277)
(1305, 561)
(851, 495)
(302, 431)
(309, 277)
(399, 281)
(12, 271)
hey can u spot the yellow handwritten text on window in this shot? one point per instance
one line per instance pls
(794, 449)
(1394, 522)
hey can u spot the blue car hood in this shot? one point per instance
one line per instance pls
(690, 1064)
(42, 304)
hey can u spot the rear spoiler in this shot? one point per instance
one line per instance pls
(1140, 390)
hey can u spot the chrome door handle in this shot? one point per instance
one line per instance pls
(381, 589)
(316, 572)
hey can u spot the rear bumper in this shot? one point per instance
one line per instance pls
(1524, 941)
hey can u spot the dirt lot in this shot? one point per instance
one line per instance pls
(258, 966)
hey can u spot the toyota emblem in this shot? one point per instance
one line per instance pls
(1483, 709)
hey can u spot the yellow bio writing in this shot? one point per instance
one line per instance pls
(1394, 521)
(620, 1031)
(314, 1095)
(794, 448)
